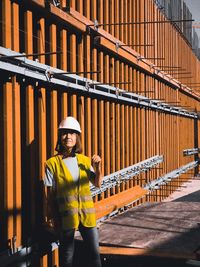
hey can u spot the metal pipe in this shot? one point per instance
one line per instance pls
(135, 45)
(145, 91)
(109, 83)
(185, 77)
(75, 72)
(174, 67)
(193, 83)
(174, 73)
(139, 22)
(30, 55)
(160, 58)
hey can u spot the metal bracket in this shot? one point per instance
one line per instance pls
(87, 86)
(117, 45)
(96, 25)
(48, 75)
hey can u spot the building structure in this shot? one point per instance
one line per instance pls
(125, 71)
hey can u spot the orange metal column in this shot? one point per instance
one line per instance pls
(17, 133)
(73, 68)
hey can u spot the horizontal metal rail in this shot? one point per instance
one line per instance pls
(118, 177)
(191, 151)
(155, 184)
(43, 73)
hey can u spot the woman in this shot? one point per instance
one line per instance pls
(69, 201)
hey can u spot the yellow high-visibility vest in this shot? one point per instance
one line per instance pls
(75, 203)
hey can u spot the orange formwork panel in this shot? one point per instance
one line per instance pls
(122, 133)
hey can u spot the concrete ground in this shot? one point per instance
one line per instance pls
(164, 233)
(157, 234)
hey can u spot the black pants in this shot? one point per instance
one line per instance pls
(91, 241)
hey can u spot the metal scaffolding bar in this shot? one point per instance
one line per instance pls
(30, 55)
(135, 45)
(155, 184)
(42, 73)
(191, 151)
(96, 24)
(118, 177)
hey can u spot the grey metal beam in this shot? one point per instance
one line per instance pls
(40, 72)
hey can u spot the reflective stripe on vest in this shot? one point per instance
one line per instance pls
(75, 202)
(76, 210)
(62, 200)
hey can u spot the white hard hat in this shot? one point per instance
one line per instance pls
(70, 123)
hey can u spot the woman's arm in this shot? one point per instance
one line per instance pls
(96, 163)
(50, 206)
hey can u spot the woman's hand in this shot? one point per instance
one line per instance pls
(96, 162)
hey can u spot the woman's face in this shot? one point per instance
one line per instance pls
(68, 138)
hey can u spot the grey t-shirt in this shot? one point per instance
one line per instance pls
(72, 165)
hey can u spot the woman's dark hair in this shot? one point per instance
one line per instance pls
(76, 149)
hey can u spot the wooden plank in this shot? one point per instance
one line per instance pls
(67, 18)
(108, 205)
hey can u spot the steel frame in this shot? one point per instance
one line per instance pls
(191, 151)
(163, 180)
(118, 177)
(44, 73)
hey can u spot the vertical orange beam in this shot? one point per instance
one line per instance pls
(42, 130)
(81, 116)
(17, 131)
(88, 127)
(107, 137)
(73, 4)
(6, 22)
(127, 137)
(111, 15)
(94, 127)
(8, 130)
(131, 134)
(122, 135)
(94, 76)
(81, 99)
(42, 114)
(125, 20)
(8, 157)
(127, 140)
(54, 108)
(117, 122)
(87, 55)
(121, 19)
(106, 15)
(63, 48)
(117, 20)
(73, 69)
(100, 53)
(80, 6)
(101, 134)
(117, 134)
(112, 138)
